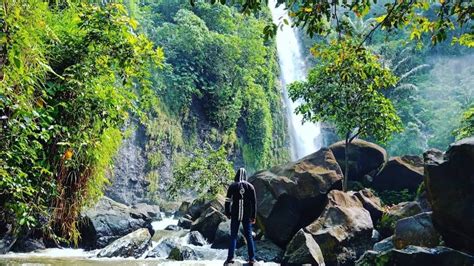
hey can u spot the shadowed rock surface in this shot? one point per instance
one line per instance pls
(449, 183)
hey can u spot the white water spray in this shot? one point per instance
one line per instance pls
(304, 138)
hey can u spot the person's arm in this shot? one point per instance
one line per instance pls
(228, 201)
(253, 203)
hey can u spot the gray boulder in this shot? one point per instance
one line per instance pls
(415, 256)
(449, 183)
(365, 158)
(303, 249)
(199, 206)
(384, 245)
(109, 220)
(185, 222)
(293, 195)
(208, 223)
(222, 238)
(400, 173)
(416, 230)
(152, 211)
(265, 251)
(371, 203)
(163, 249)
(389, 219)
(195, 238)
(181, 253)
(131, 245)
(344, 229)
(6, 243)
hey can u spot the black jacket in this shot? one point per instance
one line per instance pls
(240, 200)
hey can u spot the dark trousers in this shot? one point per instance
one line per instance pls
(234, 231)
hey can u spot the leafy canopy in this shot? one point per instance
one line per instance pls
(207, 173)
(345, 89)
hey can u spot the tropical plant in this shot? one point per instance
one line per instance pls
(345, 89)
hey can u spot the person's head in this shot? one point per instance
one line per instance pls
(240, 175)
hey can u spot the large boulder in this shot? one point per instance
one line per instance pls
(415, 256)
(416, 230)
(371, 203)
(449, 183)
(384, 245)
(201, 205)
(365, 158)
(292, 195)
(147, 210)
(222, 238)
(28, 243)
(208, 223)
(131, 245)
(344, 229)
(400, 173)
(195, 238)
(109, 220)
(265, 251)
(303, 249)
(181, 253)
(163, 249)
(6, 243)
(386, 226)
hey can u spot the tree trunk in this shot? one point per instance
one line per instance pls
(346, 163)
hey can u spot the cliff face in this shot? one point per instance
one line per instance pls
(128, 182)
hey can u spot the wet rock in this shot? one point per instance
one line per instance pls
(416, 230)
(208, 223)
(28, 244)
(293, 195)
(181, 253)
(364, 158)
(163, 249)
(173, 227)
(400, 173)
(415, 256)
(384, 245)
(185, 223)
(131, 245)
(303, 249)
(152, 211)
(389, 219)
(222, 238)
(449, 183)
(344, 229)
(6, 243)
(265, 251)
(195, 238)
(109, 220)
(183, 209)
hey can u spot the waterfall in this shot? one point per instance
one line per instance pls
(304, 138)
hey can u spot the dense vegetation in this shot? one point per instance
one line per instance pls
(71, 75)
(219, 86)
(77, 78)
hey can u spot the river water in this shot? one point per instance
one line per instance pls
(80, 257)
(304, 138)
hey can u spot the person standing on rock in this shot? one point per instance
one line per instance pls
(241, 207)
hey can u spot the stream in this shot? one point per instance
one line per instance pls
(79, 257)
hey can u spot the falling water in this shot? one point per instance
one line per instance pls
(304, 138)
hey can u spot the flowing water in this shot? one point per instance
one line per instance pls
(304, 138)
(80, 257)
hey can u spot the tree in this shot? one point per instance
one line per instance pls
(345, 89)
(207, 173)
(466, 129)
(440, 21)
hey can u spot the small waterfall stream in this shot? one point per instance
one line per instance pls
(304, 138)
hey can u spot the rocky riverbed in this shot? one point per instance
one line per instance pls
(303, 217)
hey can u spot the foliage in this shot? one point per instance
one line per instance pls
(466, 129)
(71, 76)
(438, 20)
(345, 89)
(220, 80)
(392, 197)
(207, 173)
